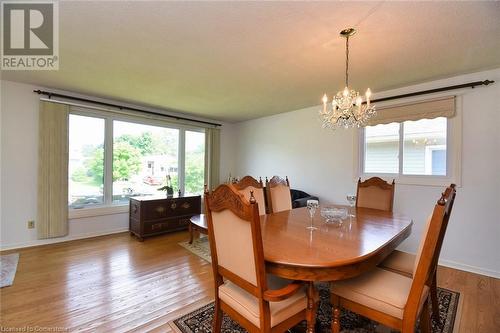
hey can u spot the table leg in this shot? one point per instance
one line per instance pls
(336, 313)
(312, 299)
(191, 231)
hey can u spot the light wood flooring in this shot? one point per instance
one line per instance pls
(117, 284)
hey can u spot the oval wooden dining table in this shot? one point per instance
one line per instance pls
(333, 251)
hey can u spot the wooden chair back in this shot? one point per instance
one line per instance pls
(249, 184)
(235, 239)
(428, 255)
(278, 194)
(375, 193)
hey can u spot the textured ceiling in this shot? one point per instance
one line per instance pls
(234, 61)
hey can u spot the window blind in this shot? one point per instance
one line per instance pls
(442, 107)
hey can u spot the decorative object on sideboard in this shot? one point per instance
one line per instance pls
(168, 187)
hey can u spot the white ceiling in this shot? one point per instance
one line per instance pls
(240, 60)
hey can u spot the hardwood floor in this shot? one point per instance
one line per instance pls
(117, 284)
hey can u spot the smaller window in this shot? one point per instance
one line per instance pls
(424, 149)
(382, 148)
(410, 148)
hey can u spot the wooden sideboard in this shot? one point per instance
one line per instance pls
(151, 216)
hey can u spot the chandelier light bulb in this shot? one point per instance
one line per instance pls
(325, 99)
(346, 92)
(359, 100)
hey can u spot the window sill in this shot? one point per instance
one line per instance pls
(97, 211)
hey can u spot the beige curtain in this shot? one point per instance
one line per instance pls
(53, 170)
(212, 157)
(442, 107)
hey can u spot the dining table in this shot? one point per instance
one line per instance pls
(333, 251)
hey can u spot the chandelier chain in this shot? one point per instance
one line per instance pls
(347, 61)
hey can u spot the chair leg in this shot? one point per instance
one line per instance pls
(336, 313)
(425, 323)
(434, 301)
(217, 324)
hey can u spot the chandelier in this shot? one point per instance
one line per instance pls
(347, 108)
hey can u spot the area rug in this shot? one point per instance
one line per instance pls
(200, 247)
(8, 267)
(200, 320)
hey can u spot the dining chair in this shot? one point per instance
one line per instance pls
(375, 193)
(242, 289)
(402, 262)
(249, 184)
(392, 299)
(278, 194)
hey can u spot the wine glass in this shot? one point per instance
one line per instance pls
(312, 205)
(352, 200)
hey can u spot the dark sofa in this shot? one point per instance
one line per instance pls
(299, 198)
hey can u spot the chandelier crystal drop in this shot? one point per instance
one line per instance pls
(347, 108)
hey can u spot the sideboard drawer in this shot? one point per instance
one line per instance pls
(159, 226)
(183, 206)
(155, 210)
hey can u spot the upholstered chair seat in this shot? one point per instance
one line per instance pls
(375, 193)
(248, 305)
(258, 301)
(248, 185)
(397, 300)
(258, 194)
(399, 262)
(380, 289)
(278, 194)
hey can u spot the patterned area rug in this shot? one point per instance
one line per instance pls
(200, 247)
(8, 266)
(200, 320)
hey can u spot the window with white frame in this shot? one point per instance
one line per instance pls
(112, 158)
(422, 142)
(419, 151)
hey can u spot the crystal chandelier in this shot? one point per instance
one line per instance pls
(347, 108)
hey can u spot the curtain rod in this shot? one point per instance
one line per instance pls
(121, 107)
(431, 91)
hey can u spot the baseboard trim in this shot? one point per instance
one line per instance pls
(470, 268)
(39, 242)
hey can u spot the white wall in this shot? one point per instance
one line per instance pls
(19, 154)
(321, 162)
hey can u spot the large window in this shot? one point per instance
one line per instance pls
(86, 161)
(195, 162)
(113, 158)
(143, 157)
(414, 148)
